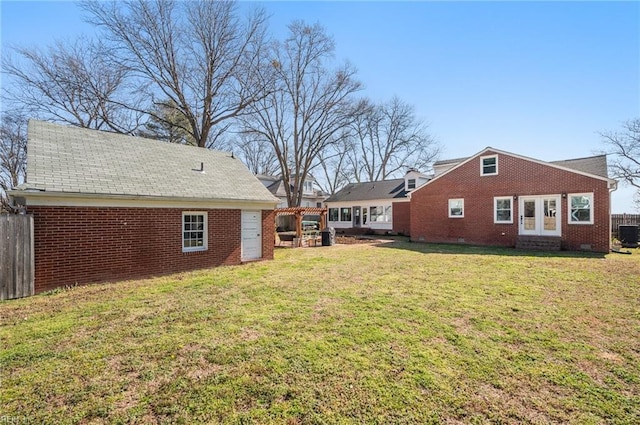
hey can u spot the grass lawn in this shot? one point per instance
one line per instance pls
(396, 333)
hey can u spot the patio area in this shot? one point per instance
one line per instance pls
(305, 233)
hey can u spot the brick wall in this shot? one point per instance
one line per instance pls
(268, 233)
(79, 245)
(516, 177)
(401, 217)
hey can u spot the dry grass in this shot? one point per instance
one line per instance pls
(395, 333)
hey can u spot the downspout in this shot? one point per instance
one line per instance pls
(613, 186)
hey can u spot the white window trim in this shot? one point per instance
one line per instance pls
(337, 214)
(495, 209)
(205, 237)
(350, 214)
(455, 200)
(384, 211)
(482, 158)
(569, 220)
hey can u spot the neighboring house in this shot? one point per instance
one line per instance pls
(311, 197)
(500, 198)
(380, 206)
(110, 207)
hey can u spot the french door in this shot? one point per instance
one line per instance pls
(540, 215)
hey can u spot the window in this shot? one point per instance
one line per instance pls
(345, 214)
(502, 210)
(307, 187)
(333, 214)
(364, 215)
(456, 208)
(194, 231)
(489, 165)
(411, 184)
(581, 208)
(380, 214)
(374, 214)
(387, 214)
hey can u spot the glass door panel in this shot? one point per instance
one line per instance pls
(550, 224)
(529, 212)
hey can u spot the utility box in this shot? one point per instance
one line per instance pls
(628, 235)
(328, 236)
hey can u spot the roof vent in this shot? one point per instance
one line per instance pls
(201, 168)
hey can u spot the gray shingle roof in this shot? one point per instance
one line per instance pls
(76, 160)
(593, 165)
(385, 189)
(450, 161)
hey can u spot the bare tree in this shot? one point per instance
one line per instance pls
(388, 138)
(308, 107)
(333, 165)
(257, 155)
(623, 148)
(70, 83)
(13, 155)
(198, 55)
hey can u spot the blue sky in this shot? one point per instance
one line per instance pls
(540, 79)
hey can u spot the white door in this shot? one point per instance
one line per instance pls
(540, 215)
(251, 235)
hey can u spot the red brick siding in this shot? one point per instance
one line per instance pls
(79, 245)
(268, 233)
(429, 204)
(401, 217)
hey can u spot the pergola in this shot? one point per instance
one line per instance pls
(300, 212)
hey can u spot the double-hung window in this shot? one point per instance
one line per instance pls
(581, 208)
(333, 214)
(502, 210)
(489, 165)
(194, 231)
(456, 208)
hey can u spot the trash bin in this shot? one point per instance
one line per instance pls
(628, 235)
(328, 236)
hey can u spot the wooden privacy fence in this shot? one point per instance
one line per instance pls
(618, 219)
(16, 256)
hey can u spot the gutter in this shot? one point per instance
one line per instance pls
(22, 196)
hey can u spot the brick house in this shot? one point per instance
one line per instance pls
(376, 207)
(110, 207)
(500, 198)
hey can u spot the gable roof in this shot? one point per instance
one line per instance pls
(595, 166)
(383, 189)
(71, 160)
